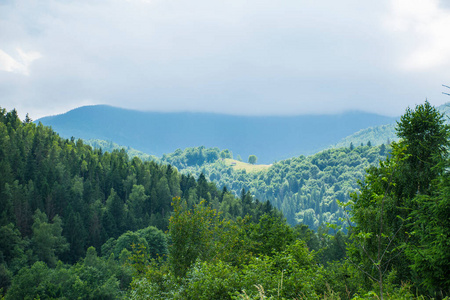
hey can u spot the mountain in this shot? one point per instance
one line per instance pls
(381, 134)
(377, 135)
(270, 138)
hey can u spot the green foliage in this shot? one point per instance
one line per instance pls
(12, 247)
(426, 135)
(211, 257)
(271, 235)
(305, 189)
(156, 240)
(5, 278)
(100, 278)
(152, 239)
(91, 278)
(225, 259)
(197, 231)
(31, 283)
(47, 241)
(195, 156)
(378, 135)
(58, 197)
(431, 231)
(221, 244)
(285, 275)
(226, 154)
(252, 159)
(397, 205)
(109, 146)
(377, 234)
(192, 233)
(136, 202)
(340, 280)
(97, 195)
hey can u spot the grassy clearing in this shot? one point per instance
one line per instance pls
(239, 165)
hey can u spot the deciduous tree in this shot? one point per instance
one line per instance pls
(252, 159)
(47, 240)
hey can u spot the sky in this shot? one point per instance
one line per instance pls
(241, 57)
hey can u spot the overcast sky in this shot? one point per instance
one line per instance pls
(247, 57)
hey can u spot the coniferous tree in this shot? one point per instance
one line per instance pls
(426, 135)
(390, 196)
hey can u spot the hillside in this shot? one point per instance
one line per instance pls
(62, 201)
(304, 188)
(311, 200)
(59, 198)
(381, 134)
(240, 165)
(270, 138)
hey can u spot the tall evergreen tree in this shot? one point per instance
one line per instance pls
(383, 210)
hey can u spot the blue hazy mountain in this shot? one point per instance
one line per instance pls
(270, 138)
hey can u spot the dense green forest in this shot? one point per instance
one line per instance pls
(59, 197)
(80, 223)
(305, 189)
(110, 146)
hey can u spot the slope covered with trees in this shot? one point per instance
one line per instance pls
(382, 134)
(397, 248)
(305, 189)
(58, 197)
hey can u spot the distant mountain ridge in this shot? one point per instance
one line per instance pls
(382, 134)
(270, 138)
(377, 135)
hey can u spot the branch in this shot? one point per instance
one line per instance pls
(387, 263)
(446, 87)
(361, 246)
(390, 241)
(365, 272)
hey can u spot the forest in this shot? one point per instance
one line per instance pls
(82, 223)
(305, 189)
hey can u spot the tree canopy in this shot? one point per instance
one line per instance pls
(397, 227)
(252, 159)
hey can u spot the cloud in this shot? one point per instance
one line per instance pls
(20, 64)
(425, 22)
(240, 57)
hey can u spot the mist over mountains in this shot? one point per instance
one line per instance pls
(270, 138)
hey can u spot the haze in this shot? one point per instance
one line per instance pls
(233, 57)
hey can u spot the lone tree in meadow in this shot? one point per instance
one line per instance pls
(252, 159)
